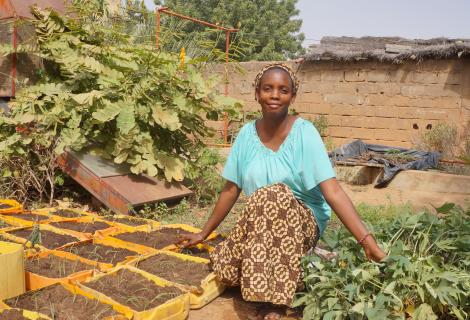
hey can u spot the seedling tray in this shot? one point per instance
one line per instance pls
(67, 213)
(50, 267)
(130, 223)
(128, 290)
(85, 226)
(106, 251)
(65, 301)
(190, 274)
(52, 238)
(10, 206)
(19, 314)
(26, 218)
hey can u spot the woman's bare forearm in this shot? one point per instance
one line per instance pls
(343, 207)
(227, 199)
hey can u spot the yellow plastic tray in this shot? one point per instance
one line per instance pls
(27, 314)
(149, 225)
(187, 228)
(86, 219)
(74, 289)
(107, 241)
(17, 221)
(174, 309)
(15, 207)
(41, 227)
(211, 286)
(36, 281)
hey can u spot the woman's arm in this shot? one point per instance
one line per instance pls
(227, 199)
(342, 205)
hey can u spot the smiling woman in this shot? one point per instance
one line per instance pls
(280, 162)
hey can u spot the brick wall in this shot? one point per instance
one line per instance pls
(381, 103)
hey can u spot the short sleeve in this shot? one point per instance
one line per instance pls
(233, 167)
(315, 163)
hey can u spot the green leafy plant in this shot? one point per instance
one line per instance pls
(203, 177)
(425, 276)
(102, 91)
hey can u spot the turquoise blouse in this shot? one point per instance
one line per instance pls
(301, 163)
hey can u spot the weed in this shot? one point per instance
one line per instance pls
(442, 138)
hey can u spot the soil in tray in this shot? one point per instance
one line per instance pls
(133, 290)
(12, 315)
(100, 253)
(213, 242)
(89, 227)
(54, 267)
(196, 252)
(129, 222)
(156, 239)
(49, 239)
(60, 304)
(29, 216)
(177, 270)
(66, 213)
(5, 206)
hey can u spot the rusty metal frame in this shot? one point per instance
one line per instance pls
(228, 31)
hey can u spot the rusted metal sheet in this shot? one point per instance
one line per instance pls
(122, 192)
(12, 9)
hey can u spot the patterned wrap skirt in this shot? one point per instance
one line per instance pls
(262, 253)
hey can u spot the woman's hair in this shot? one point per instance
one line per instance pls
(277, 66)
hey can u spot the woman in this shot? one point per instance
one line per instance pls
(280, 162)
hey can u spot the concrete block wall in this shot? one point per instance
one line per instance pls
(383, 103)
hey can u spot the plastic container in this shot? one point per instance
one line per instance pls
(209, 288)
(19, 222)
(82, 220)
(11, 270)
(174, 309)
(149, 225)
(12, 206)
(36, 281)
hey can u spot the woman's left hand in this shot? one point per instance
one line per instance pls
(372, 250)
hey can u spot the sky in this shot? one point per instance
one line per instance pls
(414, 19)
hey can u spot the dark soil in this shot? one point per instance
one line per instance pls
(66, 213)
(5, 206)
(90, 227)
(129, 222)
(196, 252)
(156, 239)
(176, 270)
(12, 314)
(213, 242)
(54, 267)
(60, 304)
(100, 253)
(29, 216)
(49, 239)
(133, 290)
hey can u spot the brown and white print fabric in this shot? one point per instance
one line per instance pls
(262, 253)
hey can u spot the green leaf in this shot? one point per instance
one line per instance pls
(424, 312)
(126, 119)
(445, 208)
(165, 118)
(108, 113)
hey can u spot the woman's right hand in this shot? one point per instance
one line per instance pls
(188, 239)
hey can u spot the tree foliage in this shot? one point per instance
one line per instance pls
(100, 90)
(268, 26)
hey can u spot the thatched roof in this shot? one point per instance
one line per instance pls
(392, 49)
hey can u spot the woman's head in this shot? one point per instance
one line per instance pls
(276, 87)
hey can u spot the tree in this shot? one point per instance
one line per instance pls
(268, 25)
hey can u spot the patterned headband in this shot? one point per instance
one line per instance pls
(277, 66)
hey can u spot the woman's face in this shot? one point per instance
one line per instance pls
(275, 93)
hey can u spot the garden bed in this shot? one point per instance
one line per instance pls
(100, 252)
(133, 290)
(66, 213)
(157, 239)
(30, 216)
(200, 252)
(49, 239)
(12, 314)
(59, 303)
(172, 268)
(53, 266)
(83, 227)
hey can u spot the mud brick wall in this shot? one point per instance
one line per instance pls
(382, 103)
